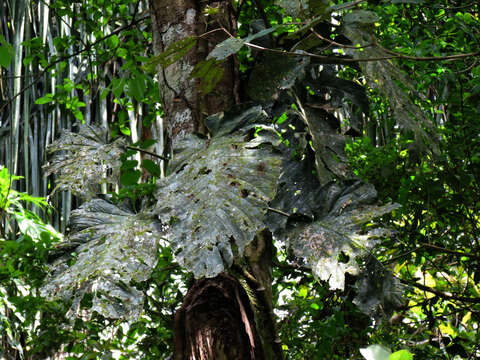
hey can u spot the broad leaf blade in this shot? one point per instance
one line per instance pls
(336, 244)
(226, 48)
(81, 161)
(113, 247)
(216, 200)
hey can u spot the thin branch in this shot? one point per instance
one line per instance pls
(439, 293)
(428, 58)
(448, 251)
(148, 152)
(338, 44)
(389, 261)
(278, 211)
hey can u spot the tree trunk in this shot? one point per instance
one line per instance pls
(226, 317)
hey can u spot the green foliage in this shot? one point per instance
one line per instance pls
(23, 258)
(6, 52)
(410, 107)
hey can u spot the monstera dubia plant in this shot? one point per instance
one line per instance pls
(253, 177)
(220, 192)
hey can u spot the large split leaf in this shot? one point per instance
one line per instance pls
(332, 245)
(108, 248)
(216, 199)
(82, 160)
(386, 77)
(336, 244)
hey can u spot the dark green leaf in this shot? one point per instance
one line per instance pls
(151, 167)
(137, 87)
(130, 177)
(5, 57)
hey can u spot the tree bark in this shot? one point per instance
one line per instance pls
(184, 105)
(226, 317)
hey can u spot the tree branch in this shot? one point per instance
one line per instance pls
(147, 152)
(439, 293)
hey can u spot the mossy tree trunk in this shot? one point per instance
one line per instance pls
(229, 316)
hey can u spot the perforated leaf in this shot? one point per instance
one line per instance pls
(216, 199)
(331, 246)
(81, 160)
(107, 249)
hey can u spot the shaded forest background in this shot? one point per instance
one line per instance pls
(414, 136)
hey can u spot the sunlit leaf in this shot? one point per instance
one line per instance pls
(375, 352)
(216, 198)
(108, 248)
(81, 160)
(401, 355)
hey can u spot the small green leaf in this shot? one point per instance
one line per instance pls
(5, 57)
(401, 355)
(129, 164)
(137, 87)
(118, 86)
(151, 167)
(130, 177)
(45, 99)
(125, 130)
(147, 143)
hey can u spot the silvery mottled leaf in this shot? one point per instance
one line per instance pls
(332, 245)
(112, 247)
(216, 199)
(226, 48)
(232, 45)
(303, 8)
(292, 7)
(274, 73)
(82, 160)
